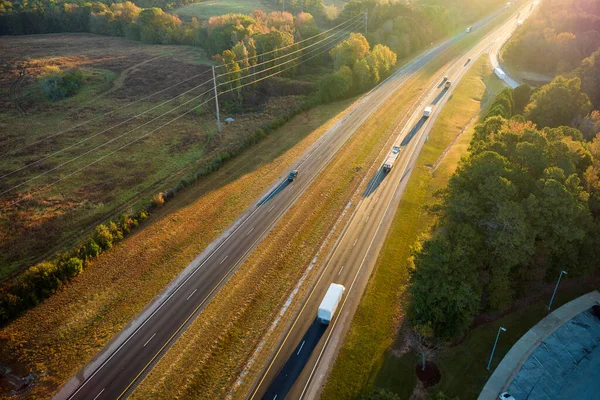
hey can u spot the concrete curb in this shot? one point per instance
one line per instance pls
(519, 353)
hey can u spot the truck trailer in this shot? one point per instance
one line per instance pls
(330, 303)
(391, 159)
(427, 111)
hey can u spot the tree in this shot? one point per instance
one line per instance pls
(385, 57)
(558, 103)
(521, 97)
(421, 337)
(444, 288)
(589, 73)
(336, 86)
(351, 50)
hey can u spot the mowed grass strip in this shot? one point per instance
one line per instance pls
(57, 338)
(209, 357)
(380, 313)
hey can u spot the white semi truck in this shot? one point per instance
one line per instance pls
(330, 303)
(391, 159)
(427, 111)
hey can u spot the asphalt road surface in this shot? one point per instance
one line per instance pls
(304, 356)
(116, 370)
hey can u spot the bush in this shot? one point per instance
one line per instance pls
(59, 84)
(158, 200)
(103, 237)
(73, 267)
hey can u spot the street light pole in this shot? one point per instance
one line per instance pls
(556, 287)
(494, 349)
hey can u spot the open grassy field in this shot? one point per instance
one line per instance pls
(371, 349)
(43, 142)
(209, 8)
(57, 338)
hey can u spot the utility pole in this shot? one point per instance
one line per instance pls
(556, 287)
(494, 349)
(216, 99)
(366, 21)
(282, 5)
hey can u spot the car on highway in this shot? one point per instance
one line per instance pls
(445, 79)
(447, 85)
(292, 175)
(469, 29)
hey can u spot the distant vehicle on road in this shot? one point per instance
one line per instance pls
(427, 111)
(292, 175)
(391, 159)
(445, 78)
(330, 303)
(447, 85)
(499, 73)
(469, 29)
(506, 396)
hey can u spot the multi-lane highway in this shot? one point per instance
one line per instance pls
(300, 363)
(132, 353)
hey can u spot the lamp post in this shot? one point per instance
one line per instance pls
(556, 287)
(494, 349)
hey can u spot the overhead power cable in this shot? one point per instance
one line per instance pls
(297, 43)
(103, 144)
(285, 55)
(105, 114)
(105, 156)
(327, 48)
(285, 62)
(102, 131)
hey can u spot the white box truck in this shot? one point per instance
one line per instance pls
(330, 303)
(391, 159)
(427, 112)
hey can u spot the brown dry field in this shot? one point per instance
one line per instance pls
(117, 73)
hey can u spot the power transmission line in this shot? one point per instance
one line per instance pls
(296, 43)
(105, 156)
(104, 115)
(283, 56)
(101, 132)
(328, 47)
(103, 144)
(288, 61)
(163, 90)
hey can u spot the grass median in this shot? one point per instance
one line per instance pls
(368, 357)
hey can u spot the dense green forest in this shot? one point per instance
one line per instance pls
(557, 37)
(522, 206)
